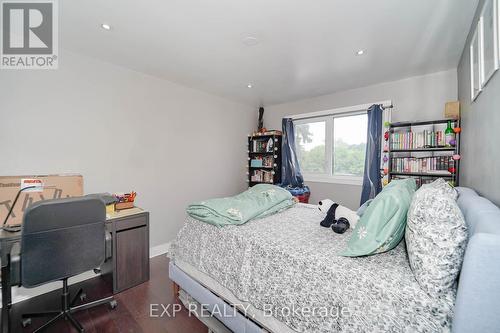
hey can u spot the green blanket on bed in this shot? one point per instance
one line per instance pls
(257, 202)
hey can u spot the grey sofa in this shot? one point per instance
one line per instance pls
(477, 307)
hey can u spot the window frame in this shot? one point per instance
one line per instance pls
(330, 177)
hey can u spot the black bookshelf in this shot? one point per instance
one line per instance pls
(430, 151)
(264, 159)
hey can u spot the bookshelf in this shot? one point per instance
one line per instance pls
(264, 159)
(418, 150)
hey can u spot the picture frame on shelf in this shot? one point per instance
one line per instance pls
(489, 40)
(476, 70)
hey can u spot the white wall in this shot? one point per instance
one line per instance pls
(480, 124)
(415, 98)
(123, 130)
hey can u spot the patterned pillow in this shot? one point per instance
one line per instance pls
(436, 237)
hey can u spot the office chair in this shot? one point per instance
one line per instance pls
(62, 238)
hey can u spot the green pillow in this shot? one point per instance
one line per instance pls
(382, 226)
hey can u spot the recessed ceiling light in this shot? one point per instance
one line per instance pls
(360, 52)
(249, 85)
(250, 40)
(106, 26)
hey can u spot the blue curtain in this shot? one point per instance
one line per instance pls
(372, 181)
(290, 169)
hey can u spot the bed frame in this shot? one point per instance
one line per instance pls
(477, 306)
(237, 323)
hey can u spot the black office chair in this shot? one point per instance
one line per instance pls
(62, 238)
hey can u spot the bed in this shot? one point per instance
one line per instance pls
(283, 273)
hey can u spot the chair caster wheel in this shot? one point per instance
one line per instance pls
(26, 322)
(83, 297)
(113, 304)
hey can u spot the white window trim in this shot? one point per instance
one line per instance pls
(348, 109)
(343, 180)
(328, 116)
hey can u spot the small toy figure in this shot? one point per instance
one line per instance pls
(338, 217)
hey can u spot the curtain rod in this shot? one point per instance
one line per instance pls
(362, 107)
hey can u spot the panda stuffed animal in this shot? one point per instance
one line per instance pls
(338, 217)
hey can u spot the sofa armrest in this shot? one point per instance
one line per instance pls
(477, 307)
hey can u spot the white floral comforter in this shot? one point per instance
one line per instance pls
(286, 265)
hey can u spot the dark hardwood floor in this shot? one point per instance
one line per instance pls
(132, 314)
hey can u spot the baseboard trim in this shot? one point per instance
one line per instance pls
(20, 294)
(158, 250)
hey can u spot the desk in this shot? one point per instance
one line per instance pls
(129, 264)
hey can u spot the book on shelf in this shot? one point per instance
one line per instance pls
(419, 137)
(262, 145)
(435, 164)
(262, 176)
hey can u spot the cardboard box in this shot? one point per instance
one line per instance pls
(452, 110)
(54, 187)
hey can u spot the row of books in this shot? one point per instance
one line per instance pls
(262, 161)
(262, 146)
(417, 140)
(262, 176)
(438, 164)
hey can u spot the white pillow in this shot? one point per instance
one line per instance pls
(436, 237)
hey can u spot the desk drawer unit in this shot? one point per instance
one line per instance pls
(131, 248)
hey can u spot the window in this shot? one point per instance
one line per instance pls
(310, 139)
(332, 148)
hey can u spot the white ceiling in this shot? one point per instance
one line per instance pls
(306, 48)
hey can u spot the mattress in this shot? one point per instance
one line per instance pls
(269, 323)
(286, 266)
